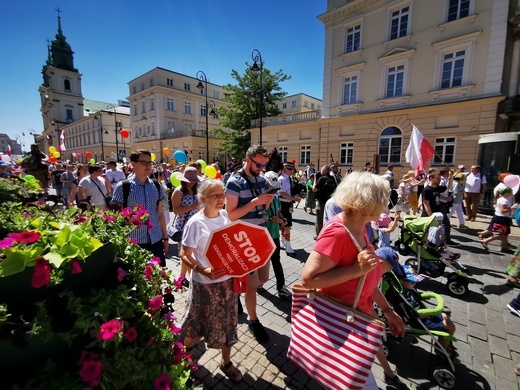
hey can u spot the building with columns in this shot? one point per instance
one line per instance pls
(450, 67)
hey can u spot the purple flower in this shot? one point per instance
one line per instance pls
(7, 242)
(121, 273)
(163, 382)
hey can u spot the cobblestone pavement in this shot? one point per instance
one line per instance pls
(488, 334)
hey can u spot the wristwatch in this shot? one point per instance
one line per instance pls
(165, 238)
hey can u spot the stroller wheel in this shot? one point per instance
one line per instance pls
(412, 262)
(403, 249)
(444, 378)
(457, 285)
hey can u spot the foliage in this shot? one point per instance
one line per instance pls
(244, 98)
(117, 332)
(17, 189)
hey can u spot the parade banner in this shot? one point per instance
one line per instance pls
(239, 248)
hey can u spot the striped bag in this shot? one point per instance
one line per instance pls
(335, 352)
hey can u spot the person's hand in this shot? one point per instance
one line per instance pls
(263, 199)
(367, 260)
(395, 323)
(166, 245)
(297, 199)
(212, 273)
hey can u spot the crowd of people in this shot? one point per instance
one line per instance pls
(356, 207)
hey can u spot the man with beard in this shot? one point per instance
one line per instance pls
(246, 199)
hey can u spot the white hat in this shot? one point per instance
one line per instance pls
(513, 182)
(272, 179)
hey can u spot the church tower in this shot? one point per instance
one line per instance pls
(60, 92)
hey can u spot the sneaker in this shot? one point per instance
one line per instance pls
(462, 226)
(258, 331)
(260, 289)
(284, 293)
(507, 250)
(513, 310)
(395, 382)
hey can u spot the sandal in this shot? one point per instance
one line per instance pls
(231, 372)
(484, 245)
(517, 369)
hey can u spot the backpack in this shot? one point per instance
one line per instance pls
(31, 163)
(126, 191)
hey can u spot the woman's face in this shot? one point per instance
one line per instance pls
(215, 199)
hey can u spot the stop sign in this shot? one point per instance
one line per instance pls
(239, 248)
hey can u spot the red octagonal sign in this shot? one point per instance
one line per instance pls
(239, 248)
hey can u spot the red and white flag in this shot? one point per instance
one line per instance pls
(9, 153)
(419, 151)
(62, 142)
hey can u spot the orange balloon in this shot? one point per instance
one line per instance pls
(166, 151)
(53, 159)
(124, 133)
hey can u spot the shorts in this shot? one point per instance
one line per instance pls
(434, 322)
(285, 209)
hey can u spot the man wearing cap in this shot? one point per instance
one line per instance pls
(334, 173)
(3, 170)
(246, 199)
(144, 192)
(474, 190)
(287, 200)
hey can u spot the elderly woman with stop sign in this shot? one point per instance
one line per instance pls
(211, 309)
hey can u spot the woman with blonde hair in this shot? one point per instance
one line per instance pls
(336, 265)
(413, 197)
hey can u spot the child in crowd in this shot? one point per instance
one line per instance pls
(501, 221)
(436, 238)
(385, 226)
(458, 195)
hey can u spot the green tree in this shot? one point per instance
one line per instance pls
(244, 97)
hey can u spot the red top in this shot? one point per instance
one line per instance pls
(334, 241)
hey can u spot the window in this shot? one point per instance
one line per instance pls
(143, 109)
(151, 82)
(282, 151)
(187, 107)
(390, 142)
(293, 103)
(202, 156)
(203, 111)
(312, 106)
(215, 94)
(305, 155)
(153, 128)
(350, 90)
(142, 85)
(284, 105)
(353, 39)
(186, 86)
(452, 69)
(169, 82)
(148, 129)
(171, 127)
(70, 118)
(399, 23)
(444, 147)
(170, 106)
(151, 105)
(346, 153)
(394, 81)
(66, 85)
(458, 9)
(306, 104)
(135, 109)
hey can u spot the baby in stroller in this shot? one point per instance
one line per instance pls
(436, 239)
(409, 303)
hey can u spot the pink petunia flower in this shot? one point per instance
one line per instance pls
(163, 382)
(136, 222)
(148, 272)
(110, 329)
(27, 236)
(90, 372)
(121, 273)
(155, 304)
(131, 334)
(42, 273)
(178, 282)
(76, 268)
(169, 316)
(149, 224)
(133, 241)
(155, 261)
(108, 218)
(141, 213)
(150, 341)
(7, 242)
(81, 218)
(127, 212)
(86, 356)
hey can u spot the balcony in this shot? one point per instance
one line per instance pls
(289, 118)
(175, 134)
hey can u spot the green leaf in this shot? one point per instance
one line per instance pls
(54, 258)
(63, 237)
(14, 262)
(36, 223)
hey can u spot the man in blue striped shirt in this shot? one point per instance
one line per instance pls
(246, 200)
(143, 192)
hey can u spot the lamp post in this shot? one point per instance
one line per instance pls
(116, 123)
(258, 66)
(202, 77)
(104, 127)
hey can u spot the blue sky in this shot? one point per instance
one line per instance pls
(117, 41)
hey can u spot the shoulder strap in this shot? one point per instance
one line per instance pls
(158, 186)
(126, 192)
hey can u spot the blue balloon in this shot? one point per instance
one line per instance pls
(180, 156)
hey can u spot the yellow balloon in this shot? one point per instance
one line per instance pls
(56, 154)
(19, 160)
(153, 156)
(52, 149)
(211, 172)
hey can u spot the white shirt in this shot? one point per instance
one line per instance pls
(474, 183)
(115, 176)
(97, 196)
(196, 235)
(503, 201)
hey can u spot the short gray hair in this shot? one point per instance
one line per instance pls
(206, 186)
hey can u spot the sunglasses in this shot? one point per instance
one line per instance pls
(261, 166)
(145, 163)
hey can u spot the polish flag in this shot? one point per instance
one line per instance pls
(62, 142)
(9, 153)
(419, 151)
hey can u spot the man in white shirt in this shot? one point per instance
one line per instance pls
(93, 188)
(474, 190)
(114, 175)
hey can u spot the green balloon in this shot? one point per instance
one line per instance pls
(92, 161)
(29, 177)
(174, 179)
(203, 165)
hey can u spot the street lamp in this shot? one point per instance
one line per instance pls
(101, 128)
(116, 123)
(202, 77)
(258, 66)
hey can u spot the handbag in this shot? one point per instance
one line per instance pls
(174, 233)
(333, 342)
